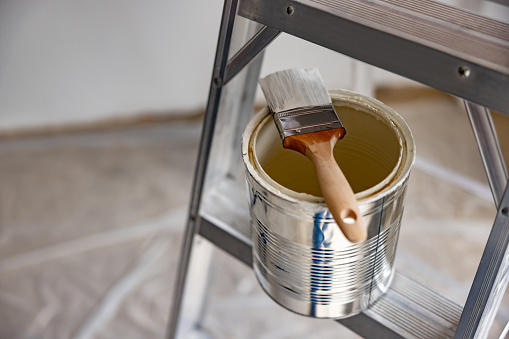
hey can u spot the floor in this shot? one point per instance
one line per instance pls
(91, 225)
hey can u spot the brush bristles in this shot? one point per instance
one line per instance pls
(294, 88)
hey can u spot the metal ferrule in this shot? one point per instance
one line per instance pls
(306, 120)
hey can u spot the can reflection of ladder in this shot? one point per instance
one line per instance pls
(448, 51)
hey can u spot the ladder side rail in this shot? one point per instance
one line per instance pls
(240, 81)
(490, 279)
(192, 228)
(489, 147)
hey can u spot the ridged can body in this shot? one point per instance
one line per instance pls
(300, 257)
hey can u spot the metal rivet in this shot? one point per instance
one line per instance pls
(505, 211)
(217, 81)
(290, 10)
(463, 72)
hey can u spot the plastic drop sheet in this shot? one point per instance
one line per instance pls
(90, 231)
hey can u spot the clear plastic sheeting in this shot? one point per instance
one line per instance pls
(90, 227)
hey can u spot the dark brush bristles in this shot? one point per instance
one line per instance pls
(294, 88)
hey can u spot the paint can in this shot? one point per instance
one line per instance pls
(300, 257)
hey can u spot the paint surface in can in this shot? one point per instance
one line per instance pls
(367, 154)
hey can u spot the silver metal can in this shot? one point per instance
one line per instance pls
(300, 257)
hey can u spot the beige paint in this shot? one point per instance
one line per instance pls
(367, 155)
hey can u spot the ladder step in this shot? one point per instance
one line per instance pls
(408, 310)
(224, 220)
(410, 307)
(447, 48)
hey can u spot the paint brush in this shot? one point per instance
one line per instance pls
(307, 123)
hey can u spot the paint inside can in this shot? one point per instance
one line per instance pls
(367, 155)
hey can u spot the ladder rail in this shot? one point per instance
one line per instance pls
(491, 277)
(489, 147)
(192, 228)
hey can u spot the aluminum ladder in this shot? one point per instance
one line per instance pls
(450, 49)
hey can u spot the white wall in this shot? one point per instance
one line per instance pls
(67, 61)
(71, 61)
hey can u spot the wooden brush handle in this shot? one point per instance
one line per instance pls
(340, 199)
(336, 190)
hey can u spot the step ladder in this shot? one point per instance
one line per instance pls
(450, 49)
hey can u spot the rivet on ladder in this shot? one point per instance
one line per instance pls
(463, 71)
(505, 211)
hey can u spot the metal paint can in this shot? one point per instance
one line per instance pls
(300, 257)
